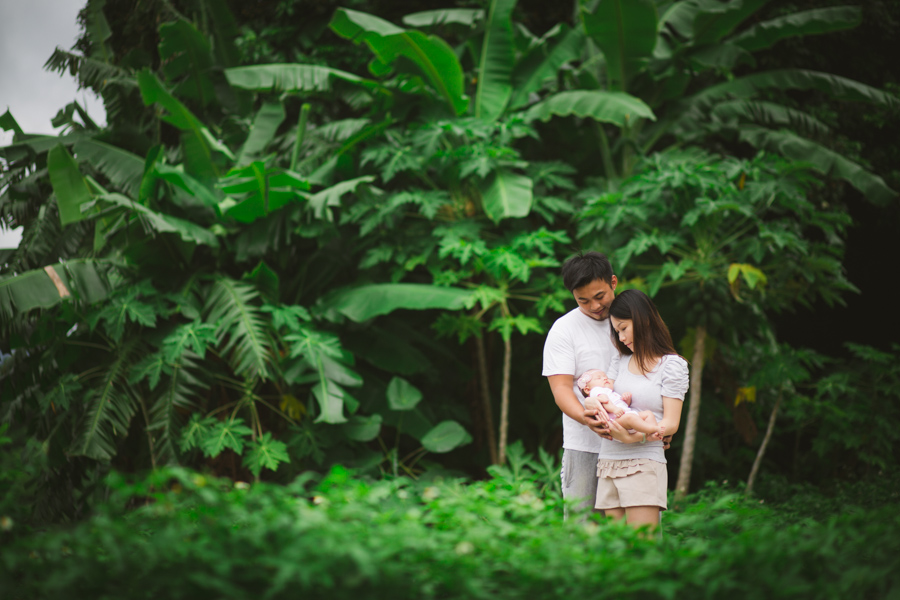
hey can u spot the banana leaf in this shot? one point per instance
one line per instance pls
(825, 161)
(618, 108)
(495, 65)
(432, 55)
(625, 30)
(809, 22)
(124, 169)
(69, 186)
(290, 78)
(542, 65)
(369, 301)
(837, 87)
(84, 279)
(187, 230)
(446, 16)
(265, 124)
(507, 195)
(186, 57)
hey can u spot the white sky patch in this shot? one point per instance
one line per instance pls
(29, 32)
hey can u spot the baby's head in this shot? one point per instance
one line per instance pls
(595, 378)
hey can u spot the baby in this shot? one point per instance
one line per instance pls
(597, 389)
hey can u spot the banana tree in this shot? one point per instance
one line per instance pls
(689, 68)
(165, 276)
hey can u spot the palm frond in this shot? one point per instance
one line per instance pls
(109, 408)
(242, 329)
(89, 72)
(178, 394)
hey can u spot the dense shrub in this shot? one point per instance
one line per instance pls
(180, 534)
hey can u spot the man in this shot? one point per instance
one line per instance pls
(578, 341)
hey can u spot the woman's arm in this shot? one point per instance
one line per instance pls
(671, 415)
(671, 419)
(617, 432)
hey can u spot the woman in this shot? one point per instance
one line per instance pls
(632, 468)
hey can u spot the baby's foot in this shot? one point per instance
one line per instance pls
(660, 433)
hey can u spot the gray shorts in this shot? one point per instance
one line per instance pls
(579, 480)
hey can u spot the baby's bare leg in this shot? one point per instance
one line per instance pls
(642, 422)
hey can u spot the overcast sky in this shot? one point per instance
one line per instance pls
(29, 31)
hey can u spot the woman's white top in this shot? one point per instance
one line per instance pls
(669, 378)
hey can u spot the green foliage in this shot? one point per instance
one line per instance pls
(192, 535)
(253, 252)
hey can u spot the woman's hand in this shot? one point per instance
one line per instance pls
(617, 432)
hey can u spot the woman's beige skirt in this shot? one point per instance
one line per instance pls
(631, 482)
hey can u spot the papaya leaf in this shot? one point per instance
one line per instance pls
(267, 453)
(195, 430)
(225, 434)
(122, 309)
(198, 336)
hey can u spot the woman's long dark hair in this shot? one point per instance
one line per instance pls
(650, 336)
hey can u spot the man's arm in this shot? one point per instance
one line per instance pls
(561, 387)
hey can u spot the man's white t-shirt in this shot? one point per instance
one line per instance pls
(577, 343)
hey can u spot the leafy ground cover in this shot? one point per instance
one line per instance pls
(181, 534)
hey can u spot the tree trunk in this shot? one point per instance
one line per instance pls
(504, 398)
(484, 384)
(690, 432)
(762, 448)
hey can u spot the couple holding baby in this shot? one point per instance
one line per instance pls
(615, 375)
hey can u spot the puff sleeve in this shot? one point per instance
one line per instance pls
(613, 371)
(674, 378)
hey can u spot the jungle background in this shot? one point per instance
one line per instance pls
(314, 252)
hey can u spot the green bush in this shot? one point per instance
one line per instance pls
(180, 534)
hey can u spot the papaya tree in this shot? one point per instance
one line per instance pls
(736, 240)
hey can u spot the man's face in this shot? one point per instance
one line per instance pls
(594, 298)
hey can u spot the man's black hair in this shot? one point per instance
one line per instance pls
(582, 269)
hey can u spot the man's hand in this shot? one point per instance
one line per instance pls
(598, 421)
(667, 441)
